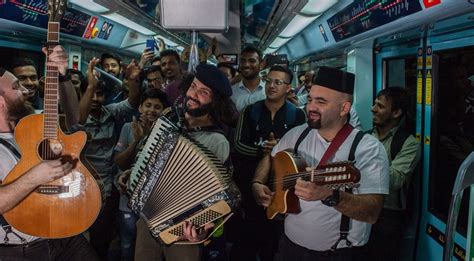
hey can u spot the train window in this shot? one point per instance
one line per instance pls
(452, 137)
(9, 54)
(401, 72)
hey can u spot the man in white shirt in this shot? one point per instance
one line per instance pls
(314, 233)
(251, 88)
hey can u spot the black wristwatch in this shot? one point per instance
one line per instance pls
(332, 200)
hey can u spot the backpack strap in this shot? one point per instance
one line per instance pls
(10, 147)
(290, 117)
(398, 139)
(256, 112)
(344, 227)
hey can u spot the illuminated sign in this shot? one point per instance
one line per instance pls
(364, 15)
(35, 13)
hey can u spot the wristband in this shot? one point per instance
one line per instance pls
(64, 78)
(257, 181)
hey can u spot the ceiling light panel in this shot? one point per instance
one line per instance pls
(278, 42)
(298, 23)
(317, 7)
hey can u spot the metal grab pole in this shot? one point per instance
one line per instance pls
(193, 53)
(464, 179)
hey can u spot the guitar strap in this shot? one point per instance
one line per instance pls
(345, 220)
(3, 223)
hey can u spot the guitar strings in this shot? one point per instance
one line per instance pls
(290, 180)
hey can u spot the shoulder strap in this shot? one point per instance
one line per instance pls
(341, 136)
(256, 111)
(356, 141)
(398, 139)
(10, 147)
(345, 220)
(291, 112)
(301, 138)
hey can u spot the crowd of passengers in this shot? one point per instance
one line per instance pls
(263, 103)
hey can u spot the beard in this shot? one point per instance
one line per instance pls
(315, 124)
(198, 112)
(17, 109)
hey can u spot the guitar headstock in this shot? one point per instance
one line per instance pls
(338, 174)
(56, 10)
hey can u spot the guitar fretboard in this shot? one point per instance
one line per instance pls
(51, 87)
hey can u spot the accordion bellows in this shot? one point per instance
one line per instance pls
(175, 179)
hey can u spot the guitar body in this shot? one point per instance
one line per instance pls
(284, 164)
(64, 207)
(288, 167)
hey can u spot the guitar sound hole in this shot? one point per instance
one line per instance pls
(50, 149)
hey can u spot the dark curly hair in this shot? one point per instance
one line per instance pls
(223, 111)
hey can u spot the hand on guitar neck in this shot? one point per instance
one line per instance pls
(57, 58)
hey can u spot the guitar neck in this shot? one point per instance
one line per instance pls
(51, 86)
(321, 177)
(290, 180)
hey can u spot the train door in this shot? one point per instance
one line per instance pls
(437, 67)
(396, 64)
(448, 130)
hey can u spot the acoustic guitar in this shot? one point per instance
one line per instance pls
(67, 206)
(287, 167)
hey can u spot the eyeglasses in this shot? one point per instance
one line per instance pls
(276, 82)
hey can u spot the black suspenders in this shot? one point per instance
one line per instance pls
(344, 227)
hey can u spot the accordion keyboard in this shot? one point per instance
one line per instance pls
(154, 139)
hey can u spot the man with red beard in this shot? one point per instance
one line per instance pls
(206, 104)
(15, 245)
(319, 231)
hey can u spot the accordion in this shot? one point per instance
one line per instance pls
(176, 179)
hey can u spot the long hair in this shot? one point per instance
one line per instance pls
(223, 110)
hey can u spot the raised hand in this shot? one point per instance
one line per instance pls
(92, 74)
(137, 129)
(161, 45)
(146, 124)
(270, 143)
(132, 70)
(146, 56)
(57, 58)
(123, 179)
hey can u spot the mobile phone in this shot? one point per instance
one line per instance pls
(150, 45)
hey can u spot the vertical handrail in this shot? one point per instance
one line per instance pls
(464, 179)
(193, 53)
